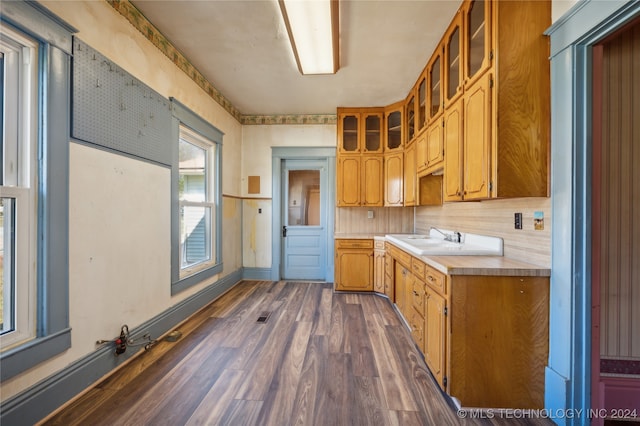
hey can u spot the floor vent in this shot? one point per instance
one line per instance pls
(264, 316)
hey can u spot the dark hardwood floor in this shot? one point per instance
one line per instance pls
(321, 358)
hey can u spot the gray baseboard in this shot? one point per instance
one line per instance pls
(41, 399)
(262, 274)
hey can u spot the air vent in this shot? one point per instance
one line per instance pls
(264, 316)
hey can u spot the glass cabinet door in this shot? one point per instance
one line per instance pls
(478, 38)
(435, 78)
(411, 118)
(452, 61)
(349, 133)
(422, 103)
(394, 130)
(373, 132)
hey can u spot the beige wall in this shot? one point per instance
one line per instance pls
(257, 142)
(119, 232)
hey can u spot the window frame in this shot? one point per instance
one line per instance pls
(52, 334)
(184, 118)
(19, 182)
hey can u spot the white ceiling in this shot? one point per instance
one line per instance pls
(242, 48)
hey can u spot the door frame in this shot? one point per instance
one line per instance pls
(278, 155)
(568, 383)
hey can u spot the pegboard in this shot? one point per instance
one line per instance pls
(113, 109)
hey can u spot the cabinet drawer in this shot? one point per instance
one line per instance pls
(417, 266)
(435, 279)
(354, 243)
(399, 255)
(416, 322)
(378, 244)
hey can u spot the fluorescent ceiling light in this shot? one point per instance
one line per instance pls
(313, 32)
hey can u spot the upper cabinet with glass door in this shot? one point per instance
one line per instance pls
(434, 95)
(360, 130)
(410, 109)
(421, 121)
(393, 129)
(477, 45)
(453, 60)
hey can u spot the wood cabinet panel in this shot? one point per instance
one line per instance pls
(500, 339)
(435, 335)
(477, 140)
(378, 271)
(353, 266)
(348, 181)
(372, 180)
(435, 148)
(410, 175)
(393, 179)
(453, 145)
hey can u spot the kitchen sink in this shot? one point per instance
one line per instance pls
(434, 244)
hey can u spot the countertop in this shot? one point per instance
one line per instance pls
(469, 265)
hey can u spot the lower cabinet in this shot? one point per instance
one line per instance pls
(378, 266)
(354, 265)
(484, 338)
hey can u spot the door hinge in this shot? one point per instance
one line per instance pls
(490, 186)
(446, 311)
(491, 82)
(444, 382)
(491, 54)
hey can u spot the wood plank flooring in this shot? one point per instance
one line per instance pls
(321, 358)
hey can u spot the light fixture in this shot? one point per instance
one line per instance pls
(313, 31)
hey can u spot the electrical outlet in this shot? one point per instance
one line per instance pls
(518, 220)
(370, 214)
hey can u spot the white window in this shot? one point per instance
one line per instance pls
(18, 187)
(197, 201)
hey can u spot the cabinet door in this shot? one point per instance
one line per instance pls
(378, 271)
(411, 118)
(348, 170)
(453, 48)
(435, 149)
(477, 45)
(372, 180)
(410, 175)
(453, 139)
(422, 152)
(372, 132)
(435, 84)
(400, 280)
(422, 104)
(394, 130)
(354, 270)
(393, 179)
(435, 334)
(477, 140)
(349, 133)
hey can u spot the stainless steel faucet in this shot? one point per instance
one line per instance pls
(454, 237)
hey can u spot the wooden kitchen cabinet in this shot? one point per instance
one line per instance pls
(360, 170)
(394, 179)
(410, 175)
(453, 60)
(360, 130)
(389, 288)
(499, 340)
(410, 109)
(477, 141)
(506, 112)
(348, 180)
(430, 149)
(378, 267)
(485, 338)
(453, 146)
(434, 70)
(394, 128)
(372, 180)
(354, 265)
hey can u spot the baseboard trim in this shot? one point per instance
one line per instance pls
(43, 398)
(262, 274)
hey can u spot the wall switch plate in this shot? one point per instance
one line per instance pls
(518, 220)
(369, 214)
